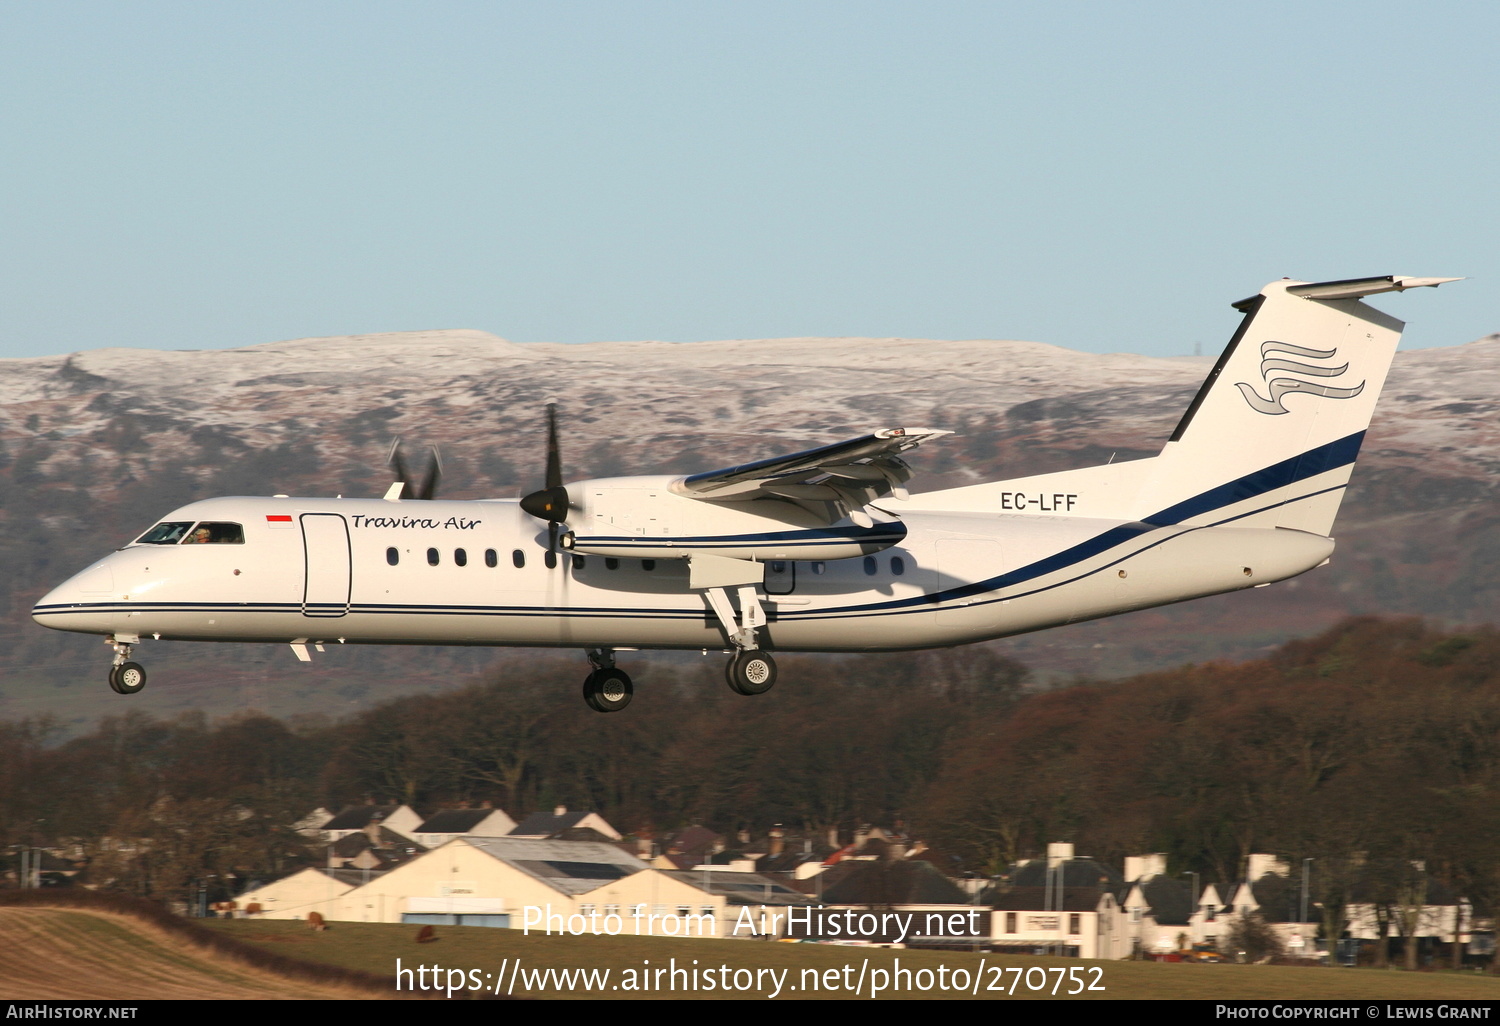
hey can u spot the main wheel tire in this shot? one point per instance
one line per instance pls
(127, 678)
(751, 673)
(607, 690)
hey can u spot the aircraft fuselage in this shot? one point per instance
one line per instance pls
(477, 573)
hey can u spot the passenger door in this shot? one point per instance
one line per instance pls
(325, 545)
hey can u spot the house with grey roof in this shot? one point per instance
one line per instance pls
(400, 818)
(541, 824)
(373, 849)
(1061, 904)
(445, 825)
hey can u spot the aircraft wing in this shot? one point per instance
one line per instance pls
(853, 472)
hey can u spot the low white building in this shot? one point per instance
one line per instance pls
(303, 892)
(568, 886)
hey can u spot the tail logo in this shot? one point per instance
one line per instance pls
(1274, 360)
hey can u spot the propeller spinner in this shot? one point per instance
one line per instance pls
(550, 503)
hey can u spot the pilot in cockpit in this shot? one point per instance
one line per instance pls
(215, 534)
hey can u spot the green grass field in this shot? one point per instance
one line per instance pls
(375, 947)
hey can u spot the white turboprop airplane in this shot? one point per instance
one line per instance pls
(823, 550)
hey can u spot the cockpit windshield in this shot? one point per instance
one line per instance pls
(206, 533)
(164, 534)
(216, 534)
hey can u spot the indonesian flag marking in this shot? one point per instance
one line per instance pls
(278, 518)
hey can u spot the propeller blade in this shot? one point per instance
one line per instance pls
(434, 475)
(551, 502)
(410, 489)
(398, 463)
(554, 460)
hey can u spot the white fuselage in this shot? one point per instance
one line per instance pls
(379, 572)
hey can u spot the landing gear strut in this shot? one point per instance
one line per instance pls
(125, 677)
(607, 688)
(750, 671)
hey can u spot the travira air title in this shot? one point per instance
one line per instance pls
(824, 550)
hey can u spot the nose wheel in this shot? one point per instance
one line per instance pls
(127, 678)
(750, 672)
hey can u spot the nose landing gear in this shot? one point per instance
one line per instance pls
(125, 677)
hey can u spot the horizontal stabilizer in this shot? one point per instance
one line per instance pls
(1356, 288)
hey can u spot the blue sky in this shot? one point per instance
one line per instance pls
(1104, 176)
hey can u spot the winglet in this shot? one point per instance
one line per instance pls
(1356, 288)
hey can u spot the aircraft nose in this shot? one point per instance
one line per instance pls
(73, 604)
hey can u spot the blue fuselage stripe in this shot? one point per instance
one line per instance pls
(1279, 475)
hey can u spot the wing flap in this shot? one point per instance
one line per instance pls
(869, 465)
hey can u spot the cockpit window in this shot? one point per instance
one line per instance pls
(164, 534)
(215, 534)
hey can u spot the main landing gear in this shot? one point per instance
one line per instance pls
(125, 677)
(750, 671)
(607, 688)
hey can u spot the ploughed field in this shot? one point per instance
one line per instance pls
(88, 954)
(375, 947)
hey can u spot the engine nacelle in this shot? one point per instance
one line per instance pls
(642, 518)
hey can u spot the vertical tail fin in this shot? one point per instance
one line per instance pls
(1271, 437)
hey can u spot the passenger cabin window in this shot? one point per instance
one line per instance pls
(491, 559)
(215, 534)
(432, 557)
(819, 567)
(392, 556)
(460, 557)
(518, 558)
(871, 566)
(550, 559)
(648, 564)
(898, 565)
(579, 562)
(611, 563)
(165, 534)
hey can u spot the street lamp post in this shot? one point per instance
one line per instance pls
(1302, 918)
